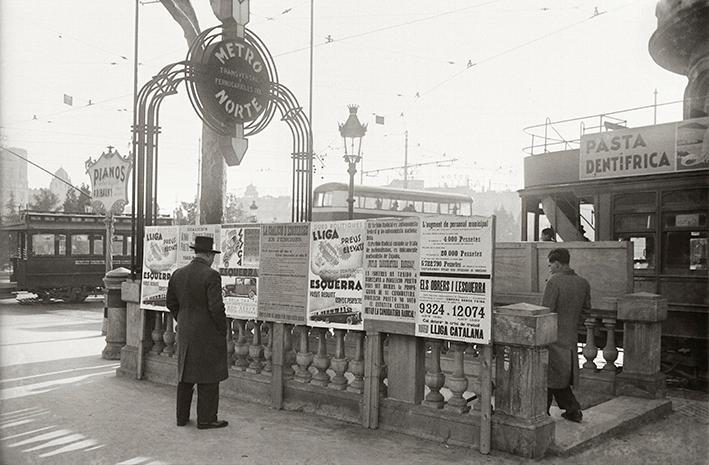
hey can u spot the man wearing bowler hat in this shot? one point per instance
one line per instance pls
(194, 297)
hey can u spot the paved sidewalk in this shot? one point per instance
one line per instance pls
(93, 417)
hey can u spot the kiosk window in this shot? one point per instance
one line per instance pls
(97, 241)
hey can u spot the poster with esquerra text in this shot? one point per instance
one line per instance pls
(160, 245)
(336, 275)
(455, 279)
(239, 262)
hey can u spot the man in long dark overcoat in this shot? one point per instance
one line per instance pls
(194, 297)
(569, 296)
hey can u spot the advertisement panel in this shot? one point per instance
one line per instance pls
(239, 264)
(336, 274)
(160, 246)
(187, 235)
(283, 271)
(391, 269)
(455, 279)
(662, 148)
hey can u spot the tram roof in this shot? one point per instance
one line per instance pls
(393, 192)
(35, 220)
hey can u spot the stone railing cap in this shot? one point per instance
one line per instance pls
(522, 308)
(120, 272)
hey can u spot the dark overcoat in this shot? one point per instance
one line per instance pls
(194, 297)
(569, 296)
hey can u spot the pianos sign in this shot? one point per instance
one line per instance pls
(109, 181)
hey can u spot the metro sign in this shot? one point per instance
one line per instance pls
(109, 181)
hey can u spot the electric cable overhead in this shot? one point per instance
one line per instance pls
(48, 172)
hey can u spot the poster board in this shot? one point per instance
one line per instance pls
(161, 244)
(283, 271)
(455, 279)
(336, 274)
(391, 273)
(187, 234)
(238, 267)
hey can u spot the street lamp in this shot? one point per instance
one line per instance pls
(352, 132)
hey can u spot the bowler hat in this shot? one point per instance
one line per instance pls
(204, 244)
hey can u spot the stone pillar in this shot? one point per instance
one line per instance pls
(136, 333)
(116, 312)
(642, 314)
(520, 424)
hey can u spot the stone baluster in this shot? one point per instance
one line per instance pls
(230, 341)
(288, 353)
(610, 351)
(255, 349)
(268, 348)
(356, 365)
(304, 357)
(590, 350)
(169, 336)
(321, 361)
(435, 379)
(156, 334)
(338, 362)
(457, 382)
(241, 347)
(642, 314)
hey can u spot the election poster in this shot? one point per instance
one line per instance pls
(336, 274)
(391, 263)
(283, 271)
(188, 233)
(239, 262)
(455, 279)
(160, 246)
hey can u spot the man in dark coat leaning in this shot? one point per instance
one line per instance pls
(569, 296)
(194, 297)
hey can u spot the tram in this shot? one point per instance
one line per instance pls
(661, 208)
(330, 202)
(61, 256)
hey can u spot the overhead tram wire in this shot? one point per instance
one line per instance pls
(48, 172)
(391, 26)
(516, 47)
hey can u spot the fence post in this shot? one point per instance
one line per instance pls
(520, 424)
(642, 314)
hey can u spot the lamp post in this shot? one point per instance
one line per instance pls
(352, 132)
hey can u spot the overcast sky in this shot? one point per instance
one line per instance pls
(530, 60)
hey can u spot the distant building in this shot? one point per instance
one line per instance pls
(13, 179)
(58, 187)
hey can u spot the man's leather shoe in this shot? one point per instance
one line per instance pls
(182, 423)
(575, 416)
(214, 424)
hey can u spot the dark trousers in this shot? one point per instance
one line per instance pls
(207, 401)
(565, 399)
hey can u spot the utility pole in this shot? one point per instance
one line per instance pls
(655, 109)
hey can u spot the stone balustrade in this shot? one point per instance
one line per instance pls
(429, 388)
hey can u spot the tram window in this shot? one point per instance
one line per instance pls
(643, 251)
(80, 244)
(635, 201)
(430, 207)
(637, 222)
(61, 244)
(677, 251)
(685, 220)
(117, 245)
(466, 209)
(681, 200)
(43, 244)
(97, 241)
